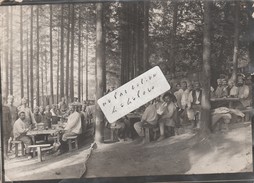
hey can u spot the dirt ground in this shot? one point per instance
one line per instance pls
(184, 154)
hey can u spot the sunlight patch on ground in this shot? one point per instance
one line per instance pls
(227, 153)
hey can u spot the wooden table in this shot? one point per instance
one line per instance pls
(53, 132)
(225, 99)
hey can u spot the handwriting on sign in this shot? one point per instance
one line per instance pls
(133, 94)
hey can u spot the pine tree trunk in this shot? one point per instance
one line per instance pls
(11, 52)
(173, 35)
(21, 53)
(31, 61)
(58, 63)
(146, 36)
(236, 40)
(6, 67)
(101, 74)
(79, 57)
(62, 54)
(72, 53)
(51, 57)
(205, 102)
(38, 60)
(67, 53)
(87, 33)
(27, 66)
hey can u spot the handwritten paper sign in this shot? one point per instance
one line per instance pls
(133, 94)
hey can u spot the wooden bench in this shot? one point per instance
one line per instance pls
(16, 145)
(72, 140)
(39, 149)
(147, 130)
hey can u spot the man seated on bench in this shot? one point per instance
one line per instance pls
(149, 117)
(19, 131)
(72, 128)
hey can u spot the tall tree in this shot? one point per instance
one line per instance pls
(87, 34)
(72, 52)
(67, 53)
(51, 55)
(236, 40)
(38, 59)
(31, 59)
(205, 101)
(58, 63)
(27, 65)
(79, 56)
(101, 72)
(11, 52)
(146, 36)
(62, 54)
(6, 62)
(173, 35)
(21, 53)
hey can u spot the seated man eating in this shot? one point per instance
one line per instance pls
(73, 126)
(149, 116)
(20, 130)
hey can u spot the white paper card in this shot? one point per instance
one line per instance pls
(133, 94)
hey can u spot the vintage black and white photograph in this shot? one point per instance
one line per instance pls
(58, 60)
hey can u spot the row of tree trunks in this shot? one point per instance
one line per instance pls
(134, 39)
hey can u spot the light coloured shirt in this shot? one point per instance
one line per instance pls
(178, 94)
(234, 91)
(243, 94)
(19, 128)
(185, 98)
(74, 123)
(150, 114)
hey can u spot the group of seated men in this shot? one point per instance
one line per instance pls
(172, 109)
(17, 121)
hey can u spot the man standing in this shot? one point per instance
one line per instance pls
(13, 109)
(29, 118)
(19, 131)
(194, 105)
(7, 126)
(14, 115)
